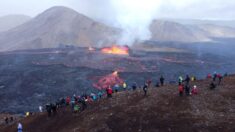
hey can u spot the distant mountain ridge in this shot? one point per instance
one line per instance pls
(12, 21)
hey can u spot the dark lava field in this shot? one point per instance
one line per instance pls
(32, 78)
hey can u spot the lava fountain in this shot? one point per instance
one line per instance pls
(118, 50)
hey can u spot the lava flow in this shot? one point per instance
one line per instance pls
(108, 80)
(118, 50)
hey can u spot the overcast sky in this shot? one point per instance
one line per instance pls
(203, 9)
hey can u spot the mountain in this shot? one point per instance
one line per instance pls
(226, 23)
(55, 27)
(12, 21)
(171, 31)
(163, 30)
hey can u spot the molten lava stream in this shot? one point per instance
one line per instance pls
(118, 50)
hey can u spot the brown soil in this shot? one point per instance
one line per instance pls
(161, 110)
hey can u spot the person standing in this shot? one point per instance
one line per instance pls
(162, 80)
(20, 127)
(181, 90)
(145, 89)
(40, 109)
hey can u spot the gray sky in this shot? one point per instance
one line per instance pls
(204, 9)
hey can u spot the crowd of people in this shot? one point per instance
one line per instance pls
(77, 104)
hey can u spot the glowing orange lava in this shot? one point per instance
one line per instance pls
(118, 50)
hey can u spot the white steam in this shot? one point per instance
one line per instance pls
(134, 18)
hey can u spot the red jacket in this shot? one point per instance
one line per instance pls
(181, 89)
(110, 91)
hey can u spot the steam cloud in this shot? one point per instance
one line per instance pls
(132, 16)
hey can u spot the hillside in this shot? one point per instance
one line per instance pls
(161, 110)
(55, 27)
(12, 21)
(163, 30)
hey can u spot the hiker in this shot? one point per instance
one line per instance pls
(181, 90)
(62, 101)
(149, 82)
(209, 76)
(145, 89)
(100, 94)
(48, 108)
(187, 90)
(67, 101)
(83, 102)
(194, 90)
(6, 120)
(76, 108)
(193, 78)
(20, 127)
(162, 80)
(93, 96)
(219, 76)
(72, 103)
(187, 80)
(11, 119)
(212, 86)
(109, 92)
(214, 76)
(180, 80)
(116, 88)
(54, 109)
(124, 86)
(40, 109)
(134, 86)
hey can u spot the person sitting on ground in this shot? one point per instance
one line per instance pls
(19, 127)
(194, 90)
(181, 90)
(145, 89)
(162, 80)
(212, 85)
(157, 85)
(76, 108)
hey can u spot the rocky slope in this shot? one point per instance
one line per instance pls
(161, 110)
